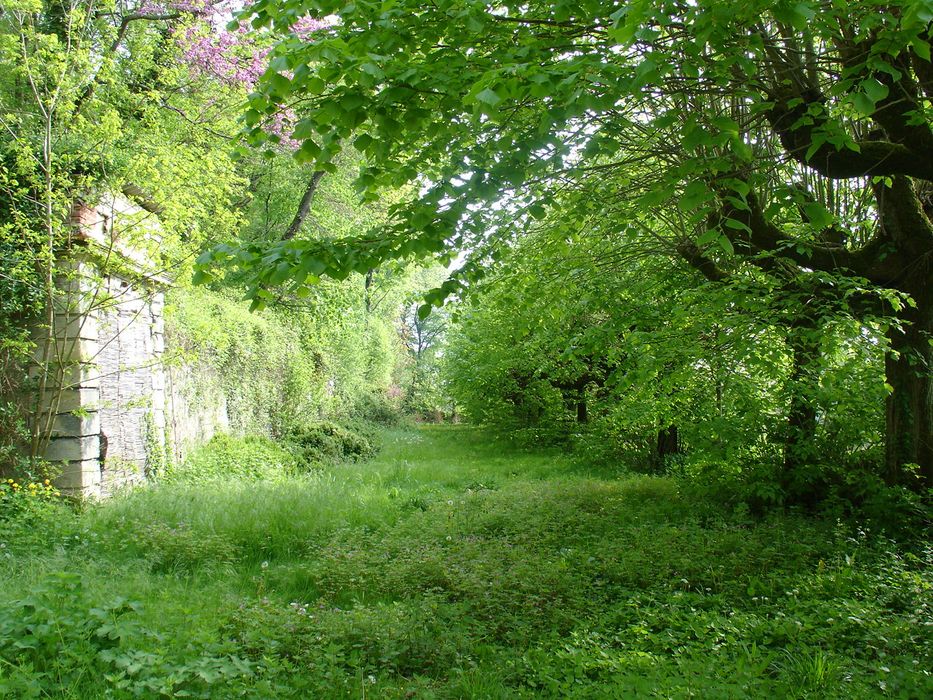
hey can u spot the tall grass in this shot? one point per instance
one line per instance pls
(453, 566)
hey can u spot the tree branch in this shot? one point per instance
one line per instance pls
(304, 207)
(115, 44)
(690, 252)
(798, 130)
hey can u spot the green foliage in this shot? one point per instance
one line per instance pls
(301, 363)
(33, 515)
(225, 457)
(755, 144)
(419, 638)
(455, 565)
(59, 638)
(314, 445)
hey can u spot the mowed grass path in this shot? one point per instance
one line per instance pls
(455, 566)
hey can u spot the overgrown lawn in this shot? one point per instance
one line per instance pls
(454, 566)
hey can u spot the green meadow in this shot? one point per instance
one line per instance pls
(452, 565)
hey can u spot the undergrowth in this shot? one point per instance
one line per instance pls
(454, 567)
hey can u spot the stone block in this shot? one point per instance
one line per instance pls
(80, 376)
(73, 449)
(73, 400)
(70, 425)
(80, 478)
(157, 400)
(158, 379)
(67, 351)
(72, 325)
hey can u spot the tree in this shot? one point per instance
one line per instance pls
(90, 109)
(762, 123)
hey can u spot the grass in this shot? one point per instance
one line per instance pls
(454, 566)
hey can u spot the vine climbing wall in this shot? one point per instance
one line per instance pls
(109, 426)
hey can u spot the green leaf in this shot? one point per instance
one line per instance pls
(863, 104)
(819, 140)
(726, 124)
(281, 273)
(695, 194)
(362, 142)
(308, 152)
(489, 97)
(819, 216)
(201, 277)
(921, 48)
(654, 197)
(424, 311)
(304, 129)
(737, 225)
(875, 89)
(313, 266)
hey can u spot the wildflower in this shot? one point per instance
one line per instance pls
(264, 565)
(48, 483)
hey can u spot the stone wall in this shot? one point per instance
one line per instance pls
(120, 403)
(196, 406)
(132, 382)
(105, 387)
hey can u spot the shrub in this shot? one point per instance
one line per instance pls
(378, 408)
(227, 457)
(753, 485)
(315, 444)
(32, 514)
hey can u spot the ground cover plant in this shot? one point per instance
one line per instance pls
(454, 566)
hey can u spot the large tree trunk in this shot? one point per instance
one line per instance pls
(582, 416)
(909, 409)
(908, 221)
(668, 445)
(801, 417)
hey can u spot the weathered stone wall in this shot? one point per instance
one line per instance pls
(120, 403)
(196, 406)
(109, 399)
(105, 391)
(132, 382)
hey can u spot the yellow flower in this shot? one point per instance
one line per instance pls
(47, 482)
(32, 486)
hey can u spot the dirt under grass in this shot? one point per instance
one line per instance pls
(454, 566)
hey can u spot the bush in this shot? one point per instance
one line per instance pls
(32, 514)
(314, 444)
(731, 483)
(227, 457)
(377, 408)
